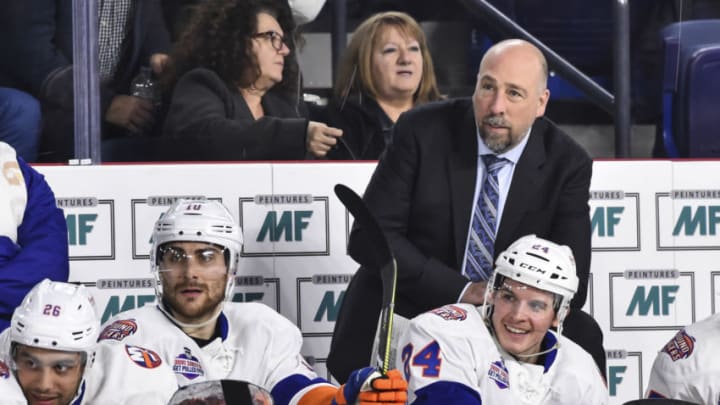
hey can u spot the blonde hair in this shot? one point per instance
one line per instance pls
(355, 71)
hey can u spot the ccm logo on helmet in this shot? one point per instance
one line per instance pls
(532, 268)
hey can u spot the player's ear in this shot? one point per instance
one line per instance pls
(555, 322)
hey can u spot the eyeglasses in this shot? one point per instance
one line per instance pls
(207, 258)
(276, 40)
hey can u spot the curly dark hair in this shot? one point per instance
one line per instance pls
(218, 37)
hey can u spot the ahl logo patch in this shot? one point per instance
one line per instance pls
(499, 374)
(450, 313)
(680, 347)
(119, 330)
(188, 365)
(143, 357)
(4, 371)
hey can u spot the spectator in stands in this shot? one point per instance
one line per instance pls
(462, 180)
(686, 367)
(20, 122)
(50, 347)
(386, 70)
(33, 233)
(237, 93)
(39, 38)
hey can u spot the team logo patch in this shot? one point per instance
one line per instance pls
(143, 357)
(451, 313)
(188, 365)
(499, 374)
(119, 330)
(680, 347)
(4, 371)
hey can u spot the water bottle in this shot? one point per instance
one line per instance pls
(144, 86)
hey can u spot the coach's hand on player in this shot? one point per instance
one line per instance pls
(367, 386)
(475, 293)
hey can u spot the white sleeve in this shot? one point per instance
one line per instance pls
(665, 381)
(117, 379)
(304, 11)
(282, 357)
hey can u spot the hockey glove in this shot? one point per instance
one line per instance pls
(367, 386)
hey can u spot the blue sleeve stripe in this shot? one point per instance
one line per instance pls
(286, 388)
(447, 392)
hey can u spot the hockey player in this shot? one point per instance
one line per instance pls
(49, 346)
(687, 367)
(505, 352)
(194, 335)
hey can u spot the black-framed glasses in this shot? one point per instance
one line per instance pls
(276, 40)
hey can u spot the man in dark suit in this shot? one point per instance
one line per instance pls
(423, 193)
(37, 55)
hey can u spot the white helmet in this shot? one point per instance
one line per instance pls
(57, 316)
(198, 221)
(538, 263)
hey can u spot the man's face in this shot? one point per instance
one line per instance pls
(509, 94)
(48, 377)
(194, 276)
(521, 317)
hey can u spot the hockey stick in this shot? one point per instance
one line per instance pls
(234, 392)
(385, 262)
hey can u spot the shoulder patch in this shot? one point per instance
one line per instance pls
(119, 330)
(4, 370)
(143, 357)
(450, 313)
(680, 346)
(188, 365)
(499, 374)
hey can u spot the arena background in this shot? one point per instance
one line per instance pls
(655, 244)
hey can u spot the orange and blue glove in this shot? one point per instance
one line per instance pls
(367, 386)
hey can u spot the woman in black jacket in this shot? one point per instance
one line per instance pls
(386, 70)
(236, 92)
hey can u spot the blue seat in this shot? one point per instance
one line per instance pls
(691, 91)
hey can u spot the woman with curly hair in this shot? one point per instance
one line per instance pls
(386, 70)
(236, 89)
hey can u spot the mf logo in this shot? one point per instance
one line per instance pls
(697, 221)
(248, 297)
(657, 298)
(624, 375)
(615, 221)
(687, 221)
(114, 307)
(288, 228)
(605, 219)
(615, 377)
(79, 226)
(91, 231)
(318, 305)
(329, 307)
(290, 223)
(651, 300)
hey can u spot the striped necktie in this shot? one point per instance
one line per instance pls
(479, 256)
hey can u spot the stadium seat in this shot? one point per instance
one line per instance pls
(691, 91)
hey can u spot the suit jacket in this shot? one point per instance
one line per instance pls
(208, 113)
(422, 195)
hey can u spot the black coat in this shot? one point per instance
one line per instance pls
(215, 119)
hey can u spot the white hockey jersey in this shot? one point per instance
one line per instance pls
(144, 355)
(687, 368)
(450, 357)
